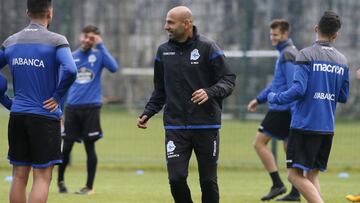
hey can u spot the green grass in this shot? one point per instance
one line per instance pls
(242, 179)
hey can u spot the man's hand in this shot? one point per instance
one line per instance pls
(199, 96)
(142, 121)
(358, 74)
(97, 39)
(252, 105)
(50, 104)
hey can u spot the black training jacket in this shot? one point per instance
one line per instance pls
(179, 70)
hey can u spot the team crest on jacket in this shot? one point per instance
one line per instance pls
(194, 55)
(170, 146)
(92, 58)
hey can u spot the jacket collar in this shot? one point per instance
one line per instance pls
(36, 24)
(189, 41)
(323, 43)
(281, 45)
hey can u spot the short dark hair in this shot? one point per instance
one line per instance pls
(91, 28)
(329, 23)
(282, 24)
(38, 8)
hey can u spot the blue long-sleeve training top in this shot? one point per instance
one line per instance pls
(86, 90)
(321, 80)
(283, 75)
(4, 99)
(35, 56)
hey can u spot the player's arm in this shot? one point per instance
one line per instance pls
(296, 91)
(287, 66)
(158, 96)
(2, 57)
(344, 91)
(109, 61)
(225, 79)
(68, 72)
(4, 99)
(262, 96)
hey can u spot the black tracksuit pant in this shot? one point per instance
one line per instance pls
(179, 145)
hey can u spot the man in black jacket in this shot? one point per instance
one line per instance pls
(191, 79)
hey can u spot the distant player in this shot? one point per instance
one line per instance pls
(35, 57)
(84, 101)
(276, 123)
(321, 80)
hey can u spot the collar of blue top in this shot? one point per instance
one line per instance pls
(323, 43)
(281, 45)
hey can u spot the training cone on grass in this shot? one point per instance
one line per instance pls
(353, 198)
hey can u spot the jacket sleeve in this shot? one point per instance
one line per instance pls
(262, 96)
(296, 91)
(68, 72)
(108, 60)
(283, 74)
(4, 99)
(344, 91)
(224, 79)
(158, 96)
(289, 70)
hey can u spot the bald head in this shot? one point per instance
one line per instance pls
(179, 23)
(181, 13)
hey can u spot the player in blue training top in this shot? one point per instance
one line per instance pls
(321, 80)
(36, 57)
(276, 123)
(4, 99)
(82, 111)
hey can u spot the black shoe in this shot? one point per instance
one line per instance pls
(289, 198)
(274, 192)
(62, 187)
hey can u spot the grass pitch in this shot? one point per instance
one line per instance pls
(132, 169)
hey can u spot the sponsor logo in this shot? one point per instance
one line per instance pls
(84, 76)
(214, 151)
(28, 62)
(169, 53)
(324, 96)
(327, 48)
(93, 133)
(76, 60)
(194, 55)
(288, 161)
(328, 68)
(31, 29)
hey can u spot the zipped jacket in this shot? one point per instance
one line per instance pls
(179, 70)
(283, 75)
